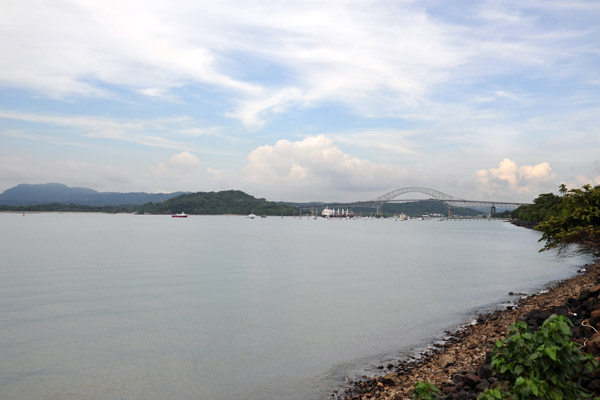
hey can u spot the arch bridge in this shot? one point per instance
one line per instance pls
(450, 201)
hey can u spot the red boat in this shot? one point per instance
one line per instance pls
(180, 215)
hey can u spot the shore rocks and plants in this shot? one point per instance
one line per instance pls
(545, 346)
(461, 368)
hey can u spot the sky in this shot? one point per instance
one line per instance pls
(302, 100)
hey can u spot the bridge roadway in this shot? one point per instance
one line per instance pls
(434, 195)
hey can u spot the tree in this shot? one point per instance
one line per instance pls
(562, 189)
(577, 223)
(546, 205)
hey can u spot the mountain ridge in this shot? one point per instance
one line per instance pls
(43, 193)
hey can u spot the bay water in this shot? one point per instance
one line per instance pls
(98, 306)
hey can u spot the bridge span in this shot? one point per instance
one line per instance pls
(451, 202)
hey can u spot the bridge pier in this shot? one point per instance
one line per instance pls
(493, 211)
(450, 211)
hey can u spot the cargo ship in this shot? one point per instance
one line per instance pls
(339, 213)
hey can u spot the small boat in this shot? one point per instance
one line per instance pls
(251, 216)
(180, 215)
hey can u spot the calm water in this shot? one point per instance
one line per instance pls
(149, 307)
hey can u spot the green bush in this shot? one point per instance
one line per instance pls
(541, 365)
(426, 391)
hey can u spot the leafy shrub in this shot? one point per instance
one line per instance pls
(545, 364)
(426, 391)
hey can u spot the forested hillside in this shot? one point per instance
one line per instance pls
(216, 203)
(544, 206)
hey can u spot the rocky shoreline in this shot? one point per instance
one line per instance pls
(460, 366)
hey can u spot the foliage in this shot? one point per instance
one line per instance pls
(226, 202)
(217, 203)
(578, 223)
(426, 391)
(504, 214)
(545, 206)
(545, 364)
(563, 189)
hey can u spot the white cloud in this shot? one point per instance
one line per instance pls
(581, 180)
(184, 160)
(509, 178)
(160, 132)
(377, 57)
(315, 168)
(64, 48)
(184, 171)
(593, 178)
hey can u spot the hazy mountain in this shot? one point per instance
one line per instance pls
(26, 194)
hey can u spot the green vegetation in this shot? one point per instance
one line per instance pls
(211, 203)
(546, 205)
(541, 365)
(570, 219)
(577, 223)
(217, 203)
(426, 391)
(544, 364)
(504, 214)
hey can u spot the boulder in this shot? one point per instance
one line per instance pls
(593, 345)
(449, 389)
(488, 357)
(585, 294)
(481, 386)
(595, 290)
(472, 380)
(446, 360)
(485, 371)
(392, 379)
(458, 378)
(589, 304)
(462, 395)
(594, 317)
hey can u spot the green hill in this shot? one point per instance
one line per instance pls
(217, 203)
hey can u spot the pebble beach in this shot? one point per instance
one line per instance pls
(460, 365)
